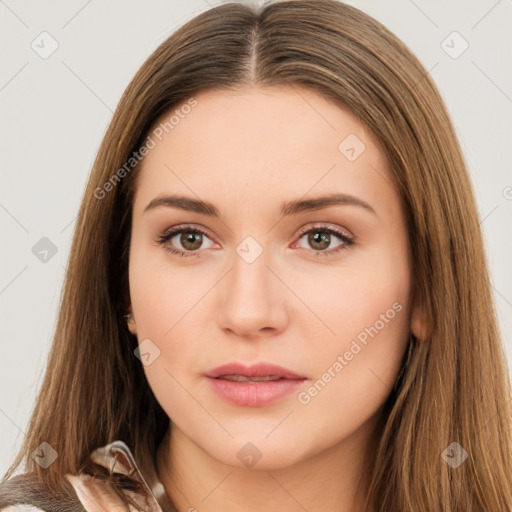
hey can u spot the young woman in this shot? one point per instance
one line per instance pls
(277, 296)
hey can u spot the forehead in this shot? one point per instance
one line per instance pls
(276, 143)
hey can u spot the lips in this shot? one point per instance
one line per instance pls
(253, 386)
(255, 372)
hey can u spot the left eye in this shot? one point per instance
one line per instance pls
(321, 238)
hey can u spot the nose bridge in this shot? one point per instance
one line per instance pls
(250, 272)
(252, 299)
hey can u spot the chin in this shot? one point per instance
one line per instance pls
(258, 453)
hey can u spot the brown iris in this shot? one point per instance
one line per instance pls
(195, 239)
(323, 238)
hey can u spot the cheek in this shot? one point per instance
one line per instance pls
(367, 307)
(160, 304)
(167, 305)
(161, 295)
(368, 296)
(355, 375)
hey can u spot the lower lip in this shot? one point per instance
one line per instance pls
(254, 394)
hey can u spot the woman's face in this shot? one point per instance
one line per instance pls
(268, 273)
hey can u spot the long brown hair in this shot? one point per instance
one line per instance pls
(454, 385)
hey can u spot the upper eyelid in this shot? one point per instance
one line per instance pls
(185, 227)
(326, 225)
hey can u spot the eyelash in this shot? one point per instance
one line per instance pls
(169, 233)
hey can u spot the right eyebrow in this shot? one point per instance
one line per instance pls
(184, 203)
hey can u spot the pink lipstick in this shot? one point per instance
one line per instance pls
(253, 386)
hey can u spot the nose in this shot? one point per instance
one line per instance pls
(252, 299)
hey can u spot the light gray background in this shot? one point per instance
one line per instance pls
(55, 112)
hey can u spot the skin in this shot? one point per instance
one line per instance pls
(247, 152)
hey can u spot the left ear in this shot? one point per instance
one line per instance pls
(419, 321)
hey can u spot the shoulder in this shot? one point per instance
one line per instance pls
(87, 494)
(95, 493)
(24, 493)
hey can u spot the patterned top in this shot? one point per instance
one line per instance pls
(94, 494)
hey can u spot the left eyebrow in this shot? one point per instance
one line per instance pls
(287, 208)
(320, 202)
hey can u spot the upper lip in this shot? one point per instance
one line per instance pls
(254, 370)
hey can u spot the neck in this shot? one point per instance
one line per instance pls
(335, 479)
